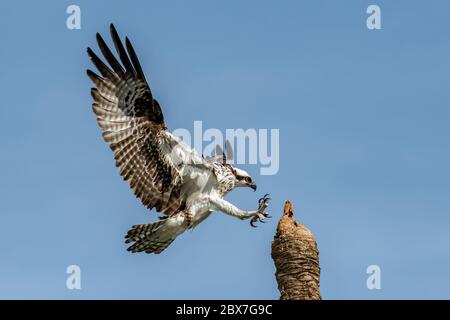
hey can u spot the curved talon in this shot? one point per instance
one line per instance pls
(260, 214)
(264, 198)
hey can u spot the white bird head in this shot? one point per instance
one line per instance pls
(243, 179)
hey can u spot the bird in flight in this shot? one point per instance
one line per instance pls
(163, 172)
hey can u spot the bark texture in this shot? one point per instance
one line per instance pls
(296, 257)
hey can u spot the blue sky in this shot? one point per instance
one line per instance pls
(364, 145)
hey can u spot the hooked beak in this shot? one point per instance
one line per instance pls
(253, 186)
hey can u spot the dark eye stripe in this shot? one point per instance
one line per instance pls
(248, 179)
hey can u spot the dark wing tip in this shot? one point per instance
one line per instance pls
(95, 78)
(99, 38)
(91, 54)
(121, 50)
(134, 59)
(94, 94)
(113, 30)
(109, 55)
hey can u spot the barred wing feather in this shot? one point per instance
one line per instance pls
(133, 126)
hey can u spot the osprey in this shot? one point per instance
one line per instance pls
(163, 172)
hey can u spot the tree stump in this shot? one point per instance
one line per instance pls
(296, 257)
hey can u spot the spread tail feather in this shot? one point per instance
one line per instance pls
(155, 237)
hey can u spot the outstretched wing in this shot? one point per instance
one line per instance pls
(149, 157)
